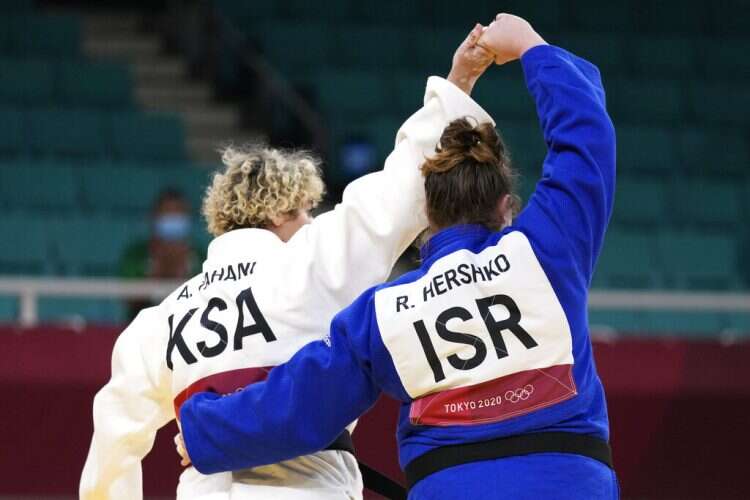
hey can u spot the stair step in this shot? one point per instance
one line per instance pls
(122, 47)
(162, 82)
(220, 119)
(149, 72)
(177, 94)
(197, 114)
(204, 149)
(216, 133)
(105, 23)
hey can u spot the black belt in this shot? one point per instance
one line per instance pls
(342, 443)
(372, 479)
(544, 442)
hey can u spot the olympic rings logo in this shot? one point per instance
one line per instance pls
(520, 394)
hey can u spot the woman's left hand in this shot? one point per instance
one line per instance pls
(181, 450)
(469, 61)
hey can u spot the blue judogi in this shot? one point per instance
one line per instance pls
(487, 339)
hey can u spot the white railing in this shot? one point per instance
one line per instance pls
(28, 290)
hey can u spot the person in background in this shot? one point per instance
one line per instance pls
(168, 253)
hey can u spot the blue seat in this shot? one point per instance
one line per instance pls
(16, 6)
(54, 36)
(628, 260)
(408, 89)
(726, 150)
(433, 48)
(344, 133)
(96, 85)
(664, 56)
(26, 82)
(640, 202)
(621, 321)
(703, 202)
(380, 13)
(357, 93)
(723, 57)
(525, 144)
(296, 47)
(606, 51)
(243, 13)
(331, 11)
(506, 98)
(690, 324)
(720, 102)
(728, 18)
(546, 16)
(646, 148)
(67, 133)
(603, 17)
(91, 244)
(12, 132)
(377, 48)
(38, 185)
(147, 136)
(191, 180)
(123, 188)
(382, 132)
(5, 42)
(25, 247)
(738, 323)
(693, 259)
(8, 309)
(670, 16)
(75, 309)
(645, 101)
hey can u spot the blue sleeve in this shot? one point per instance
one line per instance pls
(299, 409)
(572, 203)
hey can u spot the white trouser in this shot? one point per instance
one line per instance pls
(324, 475)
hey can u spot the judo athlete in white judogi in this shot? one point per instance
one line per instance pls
(272, 282)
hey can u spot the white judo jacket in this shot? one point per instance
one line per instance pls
(256, 303)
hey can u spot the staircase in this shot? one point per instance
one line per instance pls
(162, 83)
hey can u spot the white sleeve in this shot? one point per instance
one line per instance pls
(128, 411)
(356, 245)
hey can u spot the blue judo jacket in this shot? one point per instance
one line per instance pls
(488, 338)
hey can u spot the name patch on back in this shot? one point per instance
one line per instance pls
(480, 337)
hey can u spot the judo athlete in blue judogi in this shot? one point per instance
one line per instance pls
(486, 344)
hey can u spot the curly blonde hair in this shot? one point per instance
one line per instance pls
(259, 183)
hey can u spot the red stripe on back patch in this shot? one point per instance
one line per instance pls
(496, 400)
(222, 383)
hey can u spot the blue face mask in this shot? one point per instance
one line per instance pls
(172, 227)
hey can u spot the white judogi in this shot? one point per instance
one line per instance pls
(258, 301)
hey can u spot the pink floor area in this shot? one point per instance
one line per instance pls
(679, 415)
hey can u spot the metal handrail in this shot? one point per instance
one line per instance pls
(30, 289)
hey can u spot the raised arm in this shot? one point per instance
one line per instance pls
(127, 413)
(355, 245)
(572, 203)
(299, 409)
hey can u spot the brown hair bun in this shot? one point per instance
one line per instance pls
(467, 177)
(461, 141)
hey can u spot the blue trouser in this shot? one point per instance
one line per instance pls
(557, 476)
